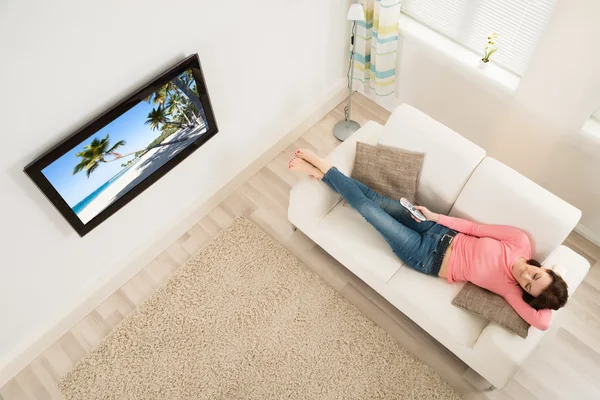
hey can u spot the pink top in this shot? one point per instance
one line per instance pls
(484, 255)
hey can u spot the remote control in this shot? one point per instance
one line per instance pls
(418, 214)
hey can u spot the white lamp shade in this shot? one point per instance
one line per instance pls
(356, 12)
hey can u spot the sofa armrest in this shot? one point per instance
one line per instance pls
(500, 352)
(507, 349)
(570, 265)
(310, 199)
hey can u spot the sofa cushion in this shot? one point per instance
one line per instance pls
(349, 238)
(389, 171)
(431, 301)
(450, 159)
(491, 307)
(497, 194)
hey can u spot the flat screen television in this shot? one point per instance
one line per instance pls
(104, 165)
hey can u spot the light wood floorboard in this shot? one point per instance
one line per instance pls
(566, 366)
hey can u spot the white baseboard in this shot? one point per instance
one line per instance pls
(588, 234)
(106, 285)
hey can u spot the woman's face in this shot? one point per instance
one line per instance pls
(531, 278)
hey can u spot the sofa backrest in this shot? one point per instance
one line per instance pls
(450, 159)
(497, 194)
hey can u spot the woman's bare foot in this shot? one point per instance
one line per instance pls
(315, 160)
(300, 165)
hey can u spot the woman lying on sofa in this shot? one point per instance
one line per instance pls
(494, 257)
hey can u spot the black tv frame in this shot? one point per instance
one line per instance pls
(34, 169)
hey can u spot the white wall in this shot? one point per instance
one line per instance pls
(536, 129)
(64, 62)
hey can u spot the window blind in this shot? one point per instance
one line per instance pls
(518, 23)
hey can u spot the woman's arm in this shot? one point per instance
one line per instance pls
(539, 319)
(500, 232)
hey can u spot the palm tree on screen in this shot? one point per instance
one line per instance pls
(95, 153)
(189, 93)
(174, 106)
(161, 95)
(188, 79)
(159, 117)
(184, 91)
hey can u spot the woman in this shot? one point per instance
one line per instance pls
(494, 257)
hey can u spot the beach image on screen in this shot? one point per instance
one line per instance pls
(118, 157)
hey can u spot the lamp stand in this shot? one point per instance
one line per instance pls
(343, 129)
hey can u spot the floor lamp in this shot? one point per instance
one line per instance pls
(343, 129)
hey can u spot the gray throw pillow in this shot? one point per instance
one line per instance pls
(491, 307)
(389, 171)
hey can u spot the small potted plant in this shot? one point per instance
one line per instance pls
(490, 48)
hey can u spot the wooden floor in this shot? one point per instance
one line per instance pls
(566, 366)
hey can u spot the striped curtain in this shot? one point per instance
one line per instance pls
(376, 45)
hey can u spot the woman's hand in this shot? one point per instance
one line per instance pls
(431, 216)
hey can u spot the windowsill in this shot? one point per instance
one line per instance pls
(591, 129)
(493, 72)
(588, 139)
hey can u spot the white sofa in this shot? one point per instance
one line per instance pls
(456, 179)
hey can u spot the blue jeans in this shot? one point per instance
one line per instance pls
(415, 243)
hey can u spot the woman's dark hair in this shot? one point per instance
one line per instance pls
(553, 297)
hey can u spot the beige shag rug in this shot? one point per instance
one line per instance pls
(245, 319)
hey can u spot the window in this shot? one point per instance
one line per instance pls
(518, 23)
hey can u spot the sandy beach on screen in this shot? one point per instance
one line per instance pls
(142, 168)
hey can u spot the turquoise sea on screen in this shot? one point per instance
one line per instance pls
(83, 203)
